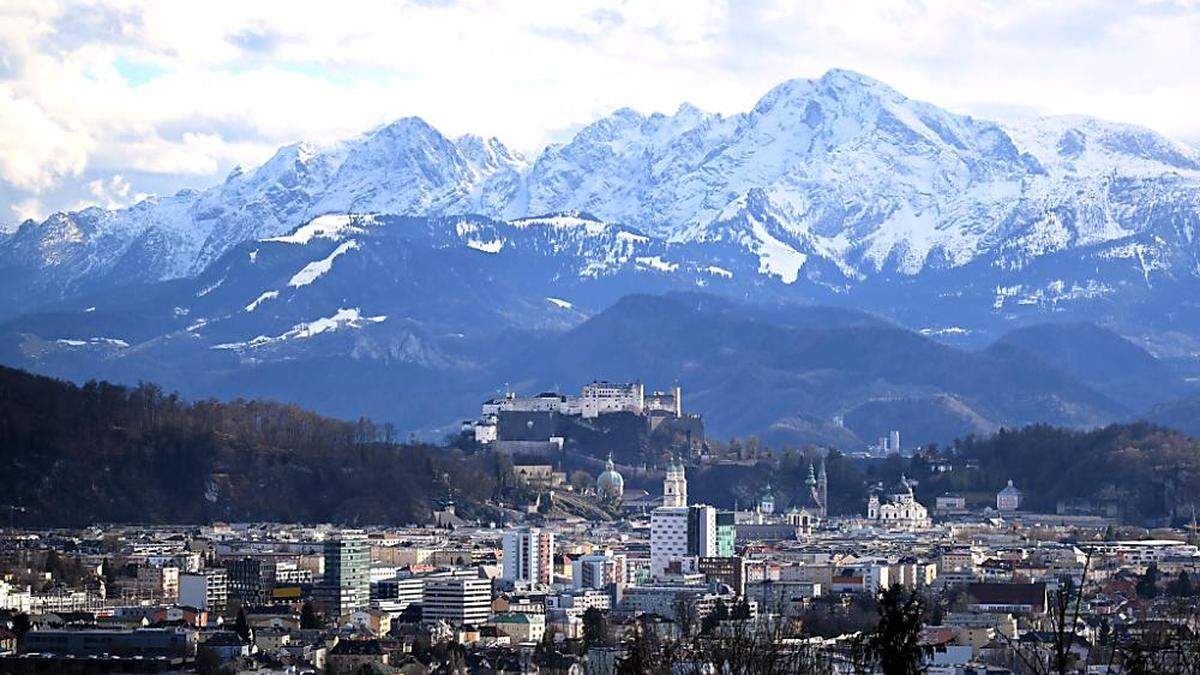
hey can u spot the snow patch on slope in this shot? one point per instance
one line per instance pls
(948, 330)
(331, 226)
(210, 288)
(563, 222)
(268, 295)
(655, 262)
(343, 318)
(112, 342)
(314, 270)
(774, 256)
(909, 236)
(493, 246)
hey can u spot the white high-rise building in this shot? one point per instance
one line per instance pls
(894, 441)
(398, 593)
(529, 556)
(680, 536)
(457, 601)
(675, 485)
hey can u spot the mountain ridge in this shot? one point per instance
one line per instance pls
(1102, 359)
(406, 256)
(842, 174)
(371, 335)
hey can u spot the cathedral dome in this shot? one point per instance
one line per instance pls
(610, 484)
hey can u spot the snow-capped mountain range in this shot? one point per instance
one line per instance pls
(330, 273)
(842, 169)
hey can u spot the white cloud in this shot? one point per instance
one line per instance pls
(116, 192)
(36, 150)
(184, 91)
(23, 210)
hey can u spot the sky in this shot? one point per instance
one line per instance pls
(105, 102)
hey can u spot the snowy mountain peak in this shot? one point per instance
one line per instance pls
(405, 127)
(834, 85)
(1085, 146)
(488, 153)
(687, 111)
(840, 83)
(844, 171)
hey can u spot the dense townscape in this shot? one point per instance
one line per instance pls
(582, 572)
(881, 358)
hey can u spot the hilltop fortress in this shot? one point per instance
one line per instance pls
(544, 423)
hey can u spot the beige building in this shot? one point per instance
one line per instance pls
(375, 621)
(959, 559)
(521, 626)
(159, 583)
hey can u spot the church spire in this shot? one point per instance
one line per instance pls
(823, 489)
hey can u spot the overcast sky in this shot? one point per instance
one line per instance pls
(103, 102)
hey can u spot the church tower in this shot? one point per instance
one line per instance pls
(767, 504)
(675, 485)
(823, 489)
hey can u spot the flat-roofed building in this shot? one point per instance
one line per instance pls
(208, 590)
(456, 600)
(147, 642)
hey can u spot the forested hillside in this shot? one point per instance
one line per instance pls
(1139, 471)
(99, 452)
(73, 455)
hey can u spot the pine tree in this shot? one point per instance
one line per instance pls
(546, 644)
(896, 643)
(595, 629)
(720, 613)
(52, 563)
(1147, 585)
(241, 626)
(308, 617)
(1182, 586)
(20, 624)
(742, 610)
